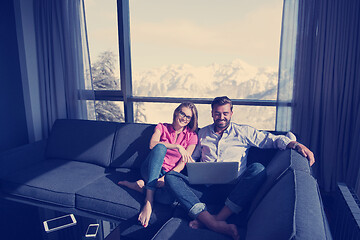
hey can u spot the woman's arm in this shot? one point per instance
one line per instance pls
(179, 166)
(182, 162)
(155, 139)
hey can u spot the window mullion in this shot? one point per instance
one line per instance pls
(125, 58)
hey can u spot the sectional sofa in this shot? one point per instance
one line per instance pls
(77, 168)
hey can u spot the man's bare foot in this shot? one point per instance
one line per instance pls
(217, 225)
(145, 214)
(196, 224)
(137, 186)
(225, 228)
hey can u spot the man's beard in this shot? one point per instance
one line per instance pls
(221, 124)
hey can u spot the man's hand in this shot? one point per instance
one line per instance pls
(303, 150)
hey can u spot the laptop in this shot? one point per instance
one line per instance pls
(212, 172)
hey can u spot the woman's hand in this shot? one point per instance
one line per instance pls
(160, 182)
(185, 156)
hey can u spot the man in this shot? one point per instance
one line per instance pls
(227, 141)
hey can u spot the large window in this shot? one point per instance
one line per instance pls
(189, 50)
(230, 47)
(102, 31)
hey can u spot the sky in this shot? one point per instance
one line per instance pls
(196, 32)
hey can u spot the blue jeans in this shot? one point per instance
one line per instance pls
(236, 195)
(151, 171)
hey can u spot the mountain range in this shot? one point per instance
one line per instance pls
(237, 80)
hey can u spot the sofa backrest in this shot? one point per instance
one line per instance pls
(131, 145)
(292, 209)
(82, 140)
(263, 155)
(276, 168)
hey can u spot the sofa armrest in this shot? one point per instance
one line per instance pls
(292, 209)
(178, 229)
(22, 157)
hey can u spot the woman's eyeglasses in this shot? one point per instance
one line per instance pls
(183, 115)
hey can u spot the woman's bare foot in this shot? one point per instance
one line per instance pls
(196, 224)
(145, 214)
(137, 186)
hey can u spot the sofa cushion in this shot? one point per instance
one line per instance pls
(282, 161)
(131, 145)
(107, 197)
(82, 140)
(290, 210)
(179, 229)
(52, 181)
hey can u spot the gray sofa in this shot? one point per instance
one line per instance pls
(77, 168)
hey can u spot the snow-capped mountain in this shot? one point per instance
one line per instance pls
(236, 80)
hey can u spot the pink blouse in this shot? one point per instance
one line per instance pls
(168, 134)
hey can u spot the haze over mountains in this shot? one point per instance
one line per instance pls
(235, 80)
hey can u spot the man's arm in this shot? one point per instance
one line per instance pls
(303, 150)
(263, 139)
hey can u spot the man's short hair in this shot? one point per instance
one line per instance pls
(219, 101)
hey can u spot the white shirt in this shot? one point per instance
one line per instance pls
(234, 144)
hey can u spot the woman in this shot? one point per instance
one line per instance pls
(171, 148)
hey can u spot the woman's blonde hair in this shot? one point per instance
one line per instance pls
(193, 124)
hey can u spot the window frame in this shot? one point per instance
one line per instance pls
(126, 95)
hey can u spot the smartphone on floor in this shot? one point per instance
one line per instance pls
(92, 230)
(59, 223)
